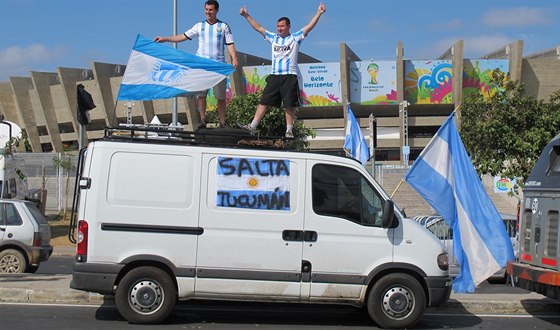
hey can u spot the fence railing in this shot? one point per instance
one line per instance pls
(43, 173)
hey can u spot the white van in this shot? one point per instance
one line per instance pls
(161, 219)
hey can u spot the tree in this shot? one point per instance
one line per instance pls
(65, 163)
(242, 108)
(505, 130)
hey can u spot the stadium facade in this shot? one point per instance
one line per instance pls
(408, 99)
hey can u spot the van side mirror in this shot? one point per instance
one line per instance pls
(388, 214)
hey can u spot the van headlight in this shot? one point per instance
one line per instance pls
(443, 261)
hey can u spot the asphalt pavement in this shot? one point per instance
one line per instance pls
(488, 299)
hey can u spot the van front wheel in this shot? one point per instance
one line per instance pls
(396, 301)
(146, 295)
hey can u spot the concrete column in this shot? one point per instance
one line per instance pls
(515, 56)
(69, 77)
(457, 59)
(42, 81)
(103, 72)
(192, 113)
(346, 56)
(22, 87)
(8, 103)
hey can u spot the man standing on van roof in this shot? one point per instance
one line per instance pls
(282, 84)
(213, 35)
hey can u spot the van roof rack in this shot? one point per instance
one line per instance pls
(222, 137)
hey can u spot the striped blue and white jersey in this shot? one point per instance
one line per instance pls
(285, 52)
(212, 39)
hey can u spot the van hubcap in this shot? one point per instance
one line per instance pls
(398, 302)
(146, 296)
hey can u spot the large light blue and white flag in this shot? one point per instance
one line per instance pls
(445, 177)
(157, 71)
(354, 140)
(253, 183)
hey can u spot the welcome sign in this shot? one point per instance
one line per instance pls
(253, 183)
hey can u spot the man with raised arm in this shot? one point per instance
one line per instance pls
(282, 83)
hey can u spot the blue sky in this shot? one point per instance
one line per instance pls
(41, 35)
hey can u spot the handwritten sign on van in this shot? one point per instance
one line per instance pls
(253, 183)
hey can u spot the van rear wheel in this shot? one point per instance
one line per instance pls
(146, 295)
(396, 301)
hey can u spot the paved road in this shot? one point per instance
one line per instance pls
(244, 316)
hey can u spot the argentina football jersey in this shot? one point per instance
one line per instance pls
(213, 38)
(284, 52)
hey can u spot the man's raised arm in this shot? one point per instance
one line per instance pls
(243, 12)
(322, 8)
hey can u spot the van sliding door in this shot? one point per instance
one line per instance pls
(252, 215)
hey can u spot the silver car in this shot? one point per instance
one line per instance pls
(25, 237)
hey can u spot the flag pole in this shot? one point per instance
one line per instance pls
(398, 186)
(174, 113)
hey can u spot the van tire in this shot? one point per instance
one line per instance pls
(12, 261)
(158, 300)
(396, 301)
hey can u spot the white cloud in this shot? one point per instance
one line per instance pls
(474, 46)
(483, 45)
(453, 24)
(18, 61)
(517, 17)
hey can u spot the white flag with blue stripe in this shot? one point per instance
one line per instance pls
(354, 140)
(157, 71)
(445, 177)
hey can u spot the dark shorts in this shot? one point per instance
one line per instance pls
(281, 89)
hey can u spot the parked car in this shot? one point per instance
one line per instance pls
(25, 237)
(441, 229)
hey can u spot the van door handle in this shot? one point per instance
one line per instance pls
(292, 235)
(310, 236)
(299, 235)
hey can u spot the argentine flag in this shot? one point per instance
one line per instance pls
(156, 71)
(253, 183)
(354, 140)
(445, 177)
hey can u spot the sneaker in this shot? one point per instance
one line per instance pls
(223, 125)
(247, 128)
(289, 135)
(202, 124)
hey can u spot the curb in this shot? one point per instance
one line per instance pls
(510, 307)
(70, 296)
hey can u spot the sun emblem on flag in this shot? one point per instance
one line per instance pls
(168, 73)
(253, 182)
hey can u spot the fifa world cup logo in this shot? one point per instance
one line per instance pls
(373, 69)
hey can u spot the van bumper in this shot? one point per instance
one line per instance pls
(91, 277)
(439, 289)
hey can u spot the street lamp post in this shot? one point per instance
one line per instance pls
(405, 147)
